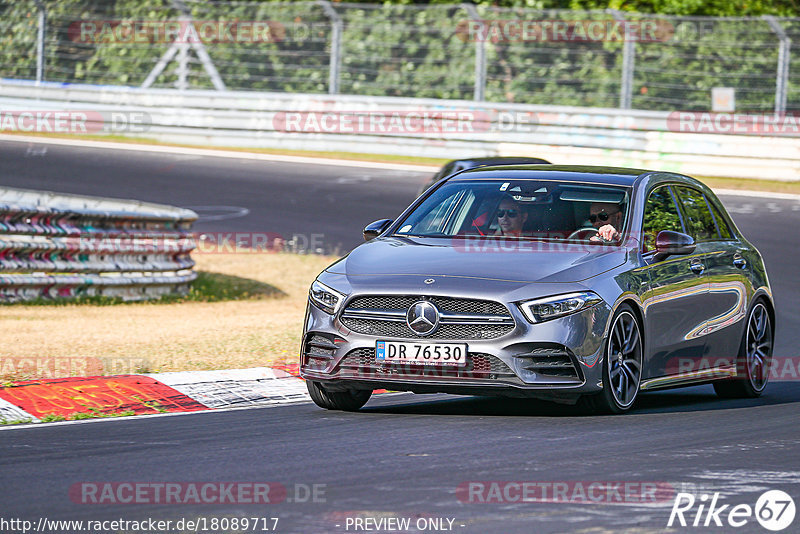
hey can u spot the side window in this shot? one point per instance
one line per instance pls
(447, 217)
(699, 222)
(722, 226)
(660, 213)
(437, 217)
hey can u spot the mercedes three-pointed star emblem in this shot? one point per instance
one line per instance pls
(423, 318)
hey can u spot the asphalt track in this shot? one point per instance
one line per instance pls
(403, 455)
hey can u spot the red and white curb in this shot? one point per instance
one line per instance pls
(237, 387)
(190, 391)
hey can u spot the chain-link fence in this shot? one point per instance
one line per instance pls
(459, 51)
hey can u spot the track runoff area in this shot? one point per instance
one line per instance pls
(709, 481)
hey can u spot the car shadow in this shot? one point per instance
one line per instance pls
(691, 399)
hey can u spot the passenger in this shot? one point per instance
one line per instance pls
(606, 217)
(511, 218)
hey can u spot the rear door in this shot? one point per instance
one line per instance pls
(726, 272)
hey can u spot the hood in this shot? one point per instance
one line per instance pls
(485, 258)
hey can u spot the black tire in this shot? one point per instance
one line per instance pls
(621, 379)
(348, 401)
(754, 358)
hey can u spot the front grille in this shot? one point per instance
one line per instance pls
(459, 318)
(445, 304)
(445, 331)
(361, 363)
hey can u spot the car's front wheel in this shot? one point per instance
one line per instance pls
(754, 358)
(348, 401)
(622, 366)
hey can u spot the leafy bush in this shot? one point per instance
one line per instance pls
(421, 51)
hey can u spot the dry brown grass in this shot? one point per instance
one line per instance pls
(148, 337)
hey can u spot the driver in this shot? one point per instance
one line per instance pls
(511, 218)
(606, 217)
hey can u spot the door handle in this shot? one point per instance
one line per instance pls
(697, 267)
(739, 261)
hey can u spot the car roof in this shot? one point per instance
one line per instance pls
(505, 160)
(566, 173)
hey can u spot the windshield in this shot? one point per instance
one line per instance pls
(521, 209)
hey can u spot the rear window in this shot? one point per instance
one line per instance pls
(699, 221)
(724, 230)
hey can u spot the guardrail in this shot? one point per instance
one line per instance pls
(599, 136)
(58, 246)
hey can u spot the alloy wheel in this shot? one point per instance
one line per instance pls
(758, 347)
(624, 359)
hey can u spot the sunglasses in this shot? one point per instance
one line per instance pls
(511, 213)
(603, 216)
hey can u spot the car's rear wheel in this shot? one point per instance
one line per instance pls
(754, 358)
(622, 366)
(348, 401)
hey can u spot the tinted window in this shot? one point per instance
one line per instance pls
(541, 210)
(722, 226)
(660, 213)
(699, 222)
(447, 214)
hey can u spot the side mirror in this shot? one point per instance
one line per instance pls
(374, 229)
(669, 243)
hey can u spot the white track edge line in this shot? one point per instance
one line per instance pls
(149, 415)
(166, 149)
(221, 153)
(170, 414)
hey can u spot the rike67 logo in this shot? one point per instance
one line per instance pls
(774, 510)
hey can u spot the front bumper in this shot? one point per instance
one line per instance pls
(557, 360)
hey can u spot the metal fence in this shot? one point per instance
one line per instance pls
(459, 51)
(56, 246)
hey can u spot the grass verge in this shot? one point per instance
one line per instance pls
(744, 184)
(356, 156)
(247, 311)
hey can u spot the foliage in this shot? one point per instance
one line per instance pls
(424, 50)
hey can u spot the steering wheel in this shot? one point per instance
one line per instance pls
(583, 233)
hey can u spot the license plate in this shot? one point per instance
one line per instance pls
(450, 354)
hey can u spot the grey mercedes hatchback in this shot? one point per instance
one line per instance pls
(572, 284)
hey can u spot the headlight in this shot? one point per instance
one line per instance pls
(541, 310)
(325, 298)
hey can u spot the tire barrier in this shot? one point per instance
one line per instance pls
(59, 246)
